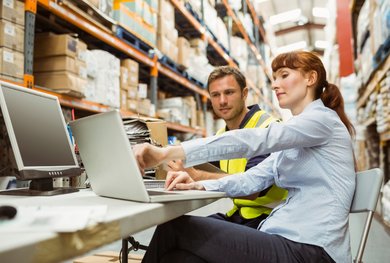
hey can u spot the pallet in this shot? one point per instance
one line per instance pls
(169, 63)
(197, 82)
(132, 39)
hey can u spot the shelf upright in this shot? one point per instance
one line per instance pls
(30, 10)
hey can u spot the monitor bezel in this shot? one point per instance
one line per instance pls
(32, 172)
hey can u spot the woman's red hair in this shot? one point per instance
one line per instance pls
(329, 93)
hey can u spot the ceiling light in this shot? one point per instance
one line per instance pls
(291, 47)
(320, 12)
(292, 15)
(321, 44)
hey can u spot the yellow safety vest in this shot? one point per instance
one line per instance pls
(252, 208)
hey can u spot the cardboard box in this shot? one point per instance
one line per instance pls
(55, 63)
(55, 45)
(62, 82)
(123, 79)
(167, 11)
(163, 44)
(132, 104)
(133, 71)
(144, 106)
(13, 11)
(132, 92)
(164, 27)
(11, 35)
(11, 63)
(123, 99)
(183, 57)
(142, 90)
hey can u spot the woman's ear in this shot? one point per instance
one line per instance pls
(312, 77)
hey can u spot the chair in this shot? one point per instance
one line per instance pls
(368, 185)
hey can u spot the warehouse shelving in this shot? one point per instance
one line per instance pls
(205, 35)
(68, 11)
(81, 22)
(244, 34)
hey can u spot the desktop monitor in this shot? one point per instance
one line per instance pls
(39, 139)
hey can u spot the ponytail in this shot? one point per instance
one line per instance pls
(332, 98)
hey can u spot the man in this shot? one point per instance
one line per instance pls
(228, 92)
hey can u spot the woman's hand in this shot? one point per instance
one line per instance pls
(181, 181)
(148, 155)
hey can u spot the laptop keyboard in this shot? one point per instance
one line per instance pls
(150, 184)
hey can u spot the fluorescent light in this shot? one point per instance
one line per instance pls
(292, 15)
(320, 12)
(321, 44)
(291, 47)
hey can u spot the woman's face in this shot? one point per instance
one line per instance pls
(292, 89)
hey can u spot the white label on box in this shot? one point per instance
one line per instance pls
(142, 90)
(8, 56)
(9, 29)
(9, 3)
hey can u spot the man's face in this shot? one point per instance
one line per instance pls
(227, 99)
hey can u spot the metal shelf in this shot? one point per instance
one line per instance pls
(68, 15)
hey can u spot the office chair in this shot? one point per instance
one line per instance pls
(368, 185)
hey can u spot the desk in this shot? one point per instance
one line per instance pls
(123, 219)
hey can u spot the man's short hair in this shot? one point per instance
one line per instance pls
(223, 71)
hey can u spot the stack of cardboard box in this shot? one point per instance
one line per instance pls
(178, 109)
(167, 35)
(60, 63)
(12, 40)
(129, 83)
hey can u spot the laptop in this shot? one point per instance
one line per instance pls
(111, 165)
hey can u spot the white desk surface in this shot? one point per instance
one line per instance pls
(123, 218)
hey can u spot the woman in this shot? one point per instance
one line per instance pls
(312, 157)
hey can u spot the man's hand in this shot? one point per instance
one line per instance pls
(176, 165)
(181, 181)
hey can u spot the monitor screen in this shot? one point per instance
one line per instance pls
(37, 131)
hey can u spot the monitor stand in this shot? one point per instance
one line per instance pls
(40, 187)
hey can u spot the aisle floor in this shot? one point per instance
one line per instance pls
(377, 247)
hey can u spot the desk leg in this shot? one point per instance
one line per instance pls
(125, 248)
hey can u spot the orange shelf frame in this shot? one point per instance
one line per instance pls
(256, 20)
(202, 30)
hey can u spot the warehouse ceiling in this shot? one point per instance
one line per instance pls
(297, 24)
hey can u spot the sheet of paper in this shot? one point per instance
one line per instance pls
(53, 218)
